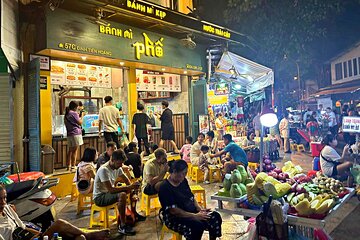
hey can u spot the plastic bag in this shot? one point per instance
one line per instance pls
(124, 141)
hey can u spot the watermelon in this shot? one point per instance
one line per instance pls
(236, 176)
(235, 191)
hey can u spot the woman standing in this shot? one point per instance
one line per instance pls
(284, 128)
(74, 134)
(181, 213)
(85, 172)
(167, 127)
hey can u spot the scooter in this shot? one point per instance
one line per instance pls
(33, 200)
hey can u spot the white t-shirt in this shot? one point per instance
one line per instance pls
(104, 174)
(9, 222)
(195, 153)
(332, 119)
(330, 154)
(109, 115)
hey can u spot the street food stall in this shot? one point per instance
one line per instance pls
(309, 201)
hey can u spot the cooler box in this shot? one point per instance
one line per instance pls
(316, 148)
(26, 176)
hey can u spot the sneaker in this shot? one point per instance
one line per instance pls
(206, 182)
(140, 218)
(126, 230)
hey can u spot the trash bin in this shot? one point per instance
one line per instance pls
(47, 159)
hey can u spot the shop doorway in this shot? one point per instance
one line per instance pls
(198, 96)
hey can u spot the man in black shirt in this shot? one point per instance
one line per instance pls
(167, 127)
(141, 121)
(105, 156)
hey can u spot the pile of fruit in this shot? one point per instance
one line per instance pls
(235, 183)
(259, 191)
(268, 165)
(315, 197)
(291, 169)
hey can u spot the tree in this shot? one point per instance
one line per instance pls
(292, 27)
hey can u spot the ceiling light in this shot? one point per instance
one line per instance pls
(185, 72)
(122, 63)
(237, 86)
(83, 58)
(163, 69)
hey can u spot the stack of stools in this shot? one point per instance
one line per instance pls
(74, 192)
(196, 174)
(300, 148)
(84, 202)
(199, 194)
(293, 146)
(105, 219)
(148, 203)
(189, 170)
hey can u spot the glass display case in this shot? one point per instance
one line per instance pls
(58, 126)
(91, 105)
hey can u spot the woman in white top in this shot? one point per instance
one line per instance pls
(212, 142)
(86, 170)
(195, 149)
(332, 164)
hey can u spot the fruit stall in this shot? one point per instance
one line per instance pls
(310, 200)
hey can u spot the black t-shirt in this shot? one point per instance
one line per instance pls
(177, 197)
(140, 120)
(134, 160)
(166, 118)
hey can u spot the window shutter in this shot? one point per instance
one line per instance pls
(6, 141)
(34, 114)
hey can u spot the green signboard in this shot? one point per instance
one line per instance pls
(73, 32)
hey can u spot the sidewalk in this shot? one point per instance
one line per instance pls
(342, 226)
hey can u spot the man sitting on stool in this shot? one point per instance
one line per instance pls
(107, 193)
(154, 172)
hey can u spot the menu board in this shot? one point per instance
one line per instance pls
(68, 73)
(351, 124)
(157, 81)
(204, 123)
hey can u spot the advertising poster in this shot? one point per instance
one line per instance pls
(157, 81)
(68, 73)
(204, 123)
(351, 124)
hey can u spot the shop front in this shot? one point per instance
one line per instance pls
(89, 61)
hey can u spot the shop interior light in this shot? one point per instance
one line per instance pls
(122, 63)
(185, 72)
(232, 70)
(163, 69)
(83, 58)
(268, 117)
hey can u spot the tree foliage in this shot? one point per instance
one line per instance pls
(278, 27)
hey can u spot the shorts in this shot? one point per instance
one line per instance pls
(106, 199)
(74, 141)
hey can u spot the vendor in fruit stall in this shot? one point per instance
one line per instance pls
(250, 136)
(238, 155)
(332, 164)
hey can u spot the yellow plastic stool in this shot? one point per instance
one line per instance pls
(74, 192)
(300, 148)
(84, 202)
(189, 170)
(196, 174)
(175, 235)
(199, 194)
(214, 170)
(105, 219)
(146, 205)
(253, 165)
(293, 146)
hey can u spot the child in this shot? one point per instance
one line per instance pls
(185, 150)
(205, 161)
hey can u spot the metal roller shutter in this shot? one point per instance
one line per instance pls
(6, 138)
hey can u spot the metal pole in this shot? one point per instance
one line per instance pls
(261, 147)
(300, 91)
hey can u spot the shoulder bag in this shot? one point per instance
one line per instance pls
(19, 233)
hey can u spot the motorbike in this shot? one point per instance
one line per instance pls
(33, 200)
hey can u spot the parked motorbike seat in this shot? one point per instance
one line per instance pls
(15, 190)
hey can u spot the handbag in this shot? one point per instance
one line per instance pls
(83, 184)
(20, 233)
